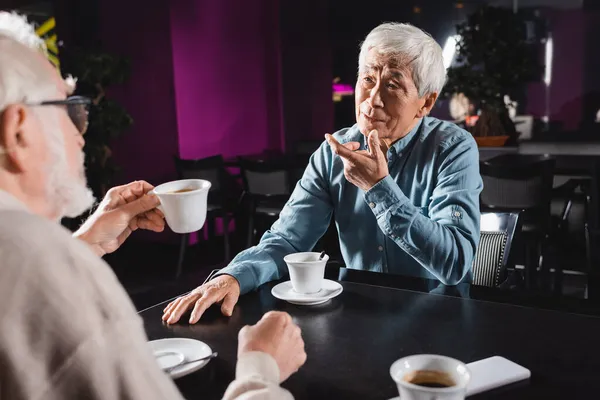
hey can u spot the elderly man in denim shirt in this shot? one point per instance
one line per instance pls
(404, 186)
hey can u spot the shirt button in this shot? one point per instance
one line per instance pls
(380, 248)
(372, 205)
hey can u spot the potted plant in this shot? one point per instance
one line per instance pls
(95, 73)
(494, 61)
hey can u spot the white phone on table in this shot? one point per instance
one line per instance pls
(494, 372)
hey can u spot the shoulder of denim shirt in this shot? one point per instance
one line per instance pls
(445, 134)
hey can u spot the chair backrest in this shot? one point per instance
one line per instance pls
(265, 177)
(211, 169)
(516, 181)
(494, 250)
(306, 147)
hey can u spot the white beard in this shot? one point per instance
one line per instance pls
(68, 194)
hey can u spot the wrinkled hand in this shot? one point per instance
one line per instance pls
(124, 209)
(361, 167)
(277, 335)
(223, 288)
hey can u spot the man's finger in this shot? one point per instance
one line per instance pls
(229, 302)
(339, 149)
(208, 299)
(352, 146)
(182, 307)
(144, 223)
(170, 308)
(374, 143)
(141, 205)
(171, 304)
(155, 217)
(140, 188)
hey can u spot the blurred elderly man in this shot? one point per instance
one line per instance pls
(68, 329)
(404, 187)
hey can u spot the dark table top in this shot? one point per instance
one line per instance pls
(352, 340)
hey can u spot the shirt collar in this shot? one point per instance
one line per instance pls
(10, 203)
(402, 143)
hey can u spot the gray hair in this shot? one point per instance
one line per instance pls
(18, 28)
(23, 77)
(404, 41)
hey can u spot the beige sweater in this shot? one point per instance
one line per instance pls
(69, 331)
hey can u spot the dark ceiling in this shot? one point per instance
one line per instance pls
(33, 8)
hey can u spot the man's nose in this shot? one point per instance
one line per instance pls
(375, 96)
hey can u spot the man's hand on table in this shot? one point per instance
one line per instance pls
(277, 335)
(124, 209)
(223, 288)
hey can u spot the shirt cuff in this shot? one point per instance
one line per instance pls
(385, 195)
(257, 364)
(244, 275)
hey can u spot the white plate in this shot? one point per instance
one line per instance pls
(285, 291)
(170, 352)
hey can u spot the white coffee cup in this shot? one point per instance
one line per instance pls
(306, 271)
(184, 211)
(406, 368)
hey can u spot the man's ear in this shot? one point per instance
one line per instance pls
(428, 104)
(14, 137)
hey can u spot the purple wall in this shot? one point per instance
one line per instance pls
(566, 89)
(142, 33)
(227, 76)
(307, 70)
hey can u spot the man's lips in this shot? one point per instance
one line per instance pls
(373, 120)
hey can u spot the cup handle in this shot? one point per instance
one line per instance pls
(160, 207)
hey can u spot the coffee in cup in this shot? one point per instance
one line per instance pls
(184, 204)
(306, 271)
(184, 190)
(427, 376)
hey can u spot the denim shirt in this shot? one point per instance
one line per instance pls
(421, 220)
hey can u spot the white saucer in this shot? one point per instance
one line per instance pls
(285, 291)
(171, 352)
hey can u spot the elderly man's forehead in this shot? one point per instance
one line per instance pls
(398, 62)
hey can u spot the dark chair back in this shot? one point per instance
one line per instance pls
(265, 178)
(306, 147)
(209, 168)
(223, 188)
(493, 255)
(519, 182)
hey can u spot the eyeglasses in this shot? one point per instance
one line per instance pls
(77, 108)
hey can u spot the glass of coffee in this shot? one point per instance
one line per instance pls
(430, 376)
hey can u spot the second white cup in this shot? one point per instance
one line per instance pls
(306, 271)
(430, 376)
